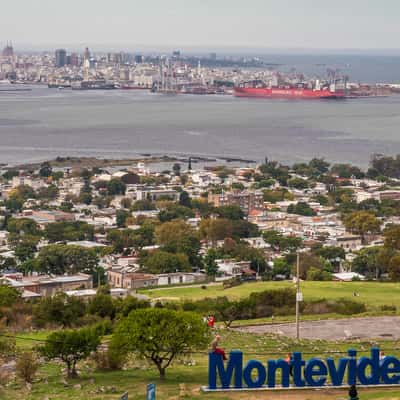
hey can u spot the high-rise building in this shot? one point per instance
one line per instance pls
(74, 60)
(176, 54)
(139, 59)
(86, 54)
(61, 58)
(8, 51)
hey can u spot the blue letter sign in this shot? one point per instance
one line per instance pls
(313, 373)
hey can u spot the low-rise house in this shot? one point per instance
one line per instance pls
(49, 286)
(87, 294)
(157, 194)
(86, 244)
(348, 242)
(44, 217)
(231, 267)
(257, 242)
(177, 278)
(347, 276)
(128, 278)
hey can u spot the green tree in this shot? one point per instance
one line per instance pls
(160, 262)
(281, 267)
(177, 169)
(185, 200)
(309, 261)
(8, 296)
(228, 311)
(179, 237)
(367, 262)
(102, 305)
(160, 335)
(280, 242)
(71, 346)
(59, 259)
(362, 223)
(22, 226)
(121, 216)
(14, 203)
(25, 248)
(394, 268)
(48, 192)
(273, 196)
(319, 165)
(229, 212)
(316, 274)
(347, 171)
(175, 211)
(68, 231)
(392, 237)
(9, 174)
(24, 192)
(215, 229)
(301, 208)
(210, 265)
(60, 310)
(143, 205)
(45, 170)
(332, 254)
(298, 183)
(116, 187)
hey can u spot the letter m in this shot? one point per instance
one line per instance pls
(216, 368)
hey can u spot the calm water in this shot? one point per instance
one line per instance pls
(359, 68)
(45, 123)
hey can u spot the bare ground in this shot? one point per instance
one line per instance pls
(340, 329)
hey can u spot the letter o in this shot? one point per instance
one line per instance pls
(262, 374)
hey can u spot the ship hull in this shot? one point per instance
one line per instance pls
(291, 93)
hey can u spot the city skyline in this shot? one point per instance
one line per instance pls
(218, 25)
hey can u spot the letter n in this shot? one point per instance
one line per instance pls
(234, 367)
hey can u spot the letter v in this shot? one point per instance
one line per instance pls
(337, 374)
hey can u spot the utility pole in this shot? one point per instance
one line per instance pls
(298, 296)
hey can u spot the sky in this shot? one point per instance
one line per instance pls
(211, 24)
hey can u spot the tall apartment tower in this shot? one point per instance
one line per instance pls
(61, 58)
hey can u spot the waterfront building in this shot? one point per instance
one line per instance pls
(8, 51)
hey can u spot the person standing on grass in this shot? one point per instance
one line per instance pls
(217, 350)
(211, 321)
(353, 394)
(288, 360)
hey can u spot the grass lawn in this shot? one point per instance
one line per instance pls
(373, 294)
(183, 381)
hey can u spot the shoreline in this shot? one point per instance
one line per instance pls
(147, 158)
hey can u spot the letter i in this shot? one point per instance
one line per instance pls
(352, 367)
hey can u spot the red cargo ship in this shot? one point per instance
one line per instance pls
(290, 93)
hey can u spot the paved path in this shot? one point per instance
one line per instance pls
(339, 329)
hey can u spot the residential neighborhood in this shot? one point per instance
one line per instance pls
(65, 230)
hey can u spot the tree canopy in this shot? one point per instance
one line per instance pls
(160, 335)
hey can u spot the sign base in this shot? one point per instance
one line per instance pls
(206, 389)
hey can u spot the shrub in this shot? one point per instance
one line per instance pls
(340, 306)
(390, 308)
(347, 307)
(27, 366)
(109, 359)
(7, 346)
(230, 283)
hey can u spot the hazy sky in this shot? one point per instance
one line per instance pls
(338, 24)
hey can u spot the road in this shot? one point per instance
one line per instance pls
(339, 329)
